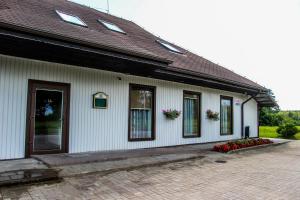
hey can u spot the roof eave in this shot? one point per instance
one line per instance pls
(48, 35)
(50, 50)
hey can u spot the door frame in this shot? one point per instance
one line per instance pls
(32, 85)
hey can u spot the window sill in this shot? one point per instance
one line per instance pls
(192, 136)
(226, 134)
(140, 139)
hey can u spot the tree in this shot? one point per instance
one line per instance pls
(270, 117)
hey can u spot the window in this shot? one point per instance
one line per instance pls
(71, 19)
(141, 112)
(226, 116)
(191, 114)
(111, 26)
(169, 47)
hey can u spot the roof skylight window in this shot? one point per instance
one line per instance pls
(71, 18)
(111, 26)
(169, 46)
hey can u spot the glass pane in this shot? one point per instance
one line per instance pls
(226, 118)
(191, 96)
(141, 99)
(48, 120)
(141, 114)
(112, 26)
(71, 19)
(191, 115)
(170, 47)
(141, 121)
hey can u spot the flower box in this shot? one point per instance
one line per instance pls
(212, 115)
(171, 114)
(240, 144)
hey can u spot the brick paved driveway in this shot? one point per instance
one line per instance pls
(270, 173)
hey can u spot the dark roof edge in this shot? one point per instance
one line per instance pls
(207, 76)
(81, 42)
(63, 44)
(210, 83)
(264, 99)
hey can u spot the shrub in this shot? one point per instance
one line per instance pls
(287, 130)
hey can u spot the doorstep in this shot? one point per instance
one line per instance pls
(23, 171)
(55, 160)
(112, 161)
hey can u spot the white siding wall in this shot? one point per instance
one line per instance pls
(103, 129)
(250, 111)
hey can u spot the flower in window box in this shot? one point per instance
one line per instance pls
(212, 115)
(171, 114)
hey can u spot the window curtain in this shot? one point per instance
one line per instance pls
(226, 117)
(190, 117)
(141, 121)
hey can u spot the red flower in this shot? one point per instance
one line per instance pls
(216, 148)
(235, 146)
(225, 148)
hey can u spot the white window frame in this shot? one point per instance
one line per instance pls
(61, 13)
(169, 46)
(117, 28)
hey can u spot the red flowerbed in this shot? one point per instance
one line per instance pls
(239, 144)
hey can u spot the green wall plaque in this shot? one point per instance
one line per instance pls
(100, 100)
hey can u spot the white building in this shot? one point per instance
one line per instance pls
(73, 79)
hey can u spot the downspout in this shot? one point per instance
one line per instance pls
(242, 117)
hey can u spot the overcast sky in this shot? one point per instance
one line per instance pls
(259, 39)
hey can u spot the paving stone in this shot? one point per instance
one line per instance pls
(270, 173)
(28, 176)
(4, 178)
(14, 177)
(8, 174)
(20, 164)
(126, 164)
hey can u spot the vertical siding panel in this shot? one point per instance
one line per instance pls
(10, 103)
(23, 108)
(80, 119)
(250, 117)
(2, 113)
(8, 120)
(14, 104)
(6, 110)
(85, 130)
(2, 135)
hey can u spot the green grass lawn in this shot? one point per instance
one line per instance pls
(270, 132)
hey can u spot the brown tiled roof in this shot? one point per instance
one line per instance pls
(39, 16)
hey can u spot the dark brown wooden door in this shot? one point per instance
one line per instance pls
(48, 117)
